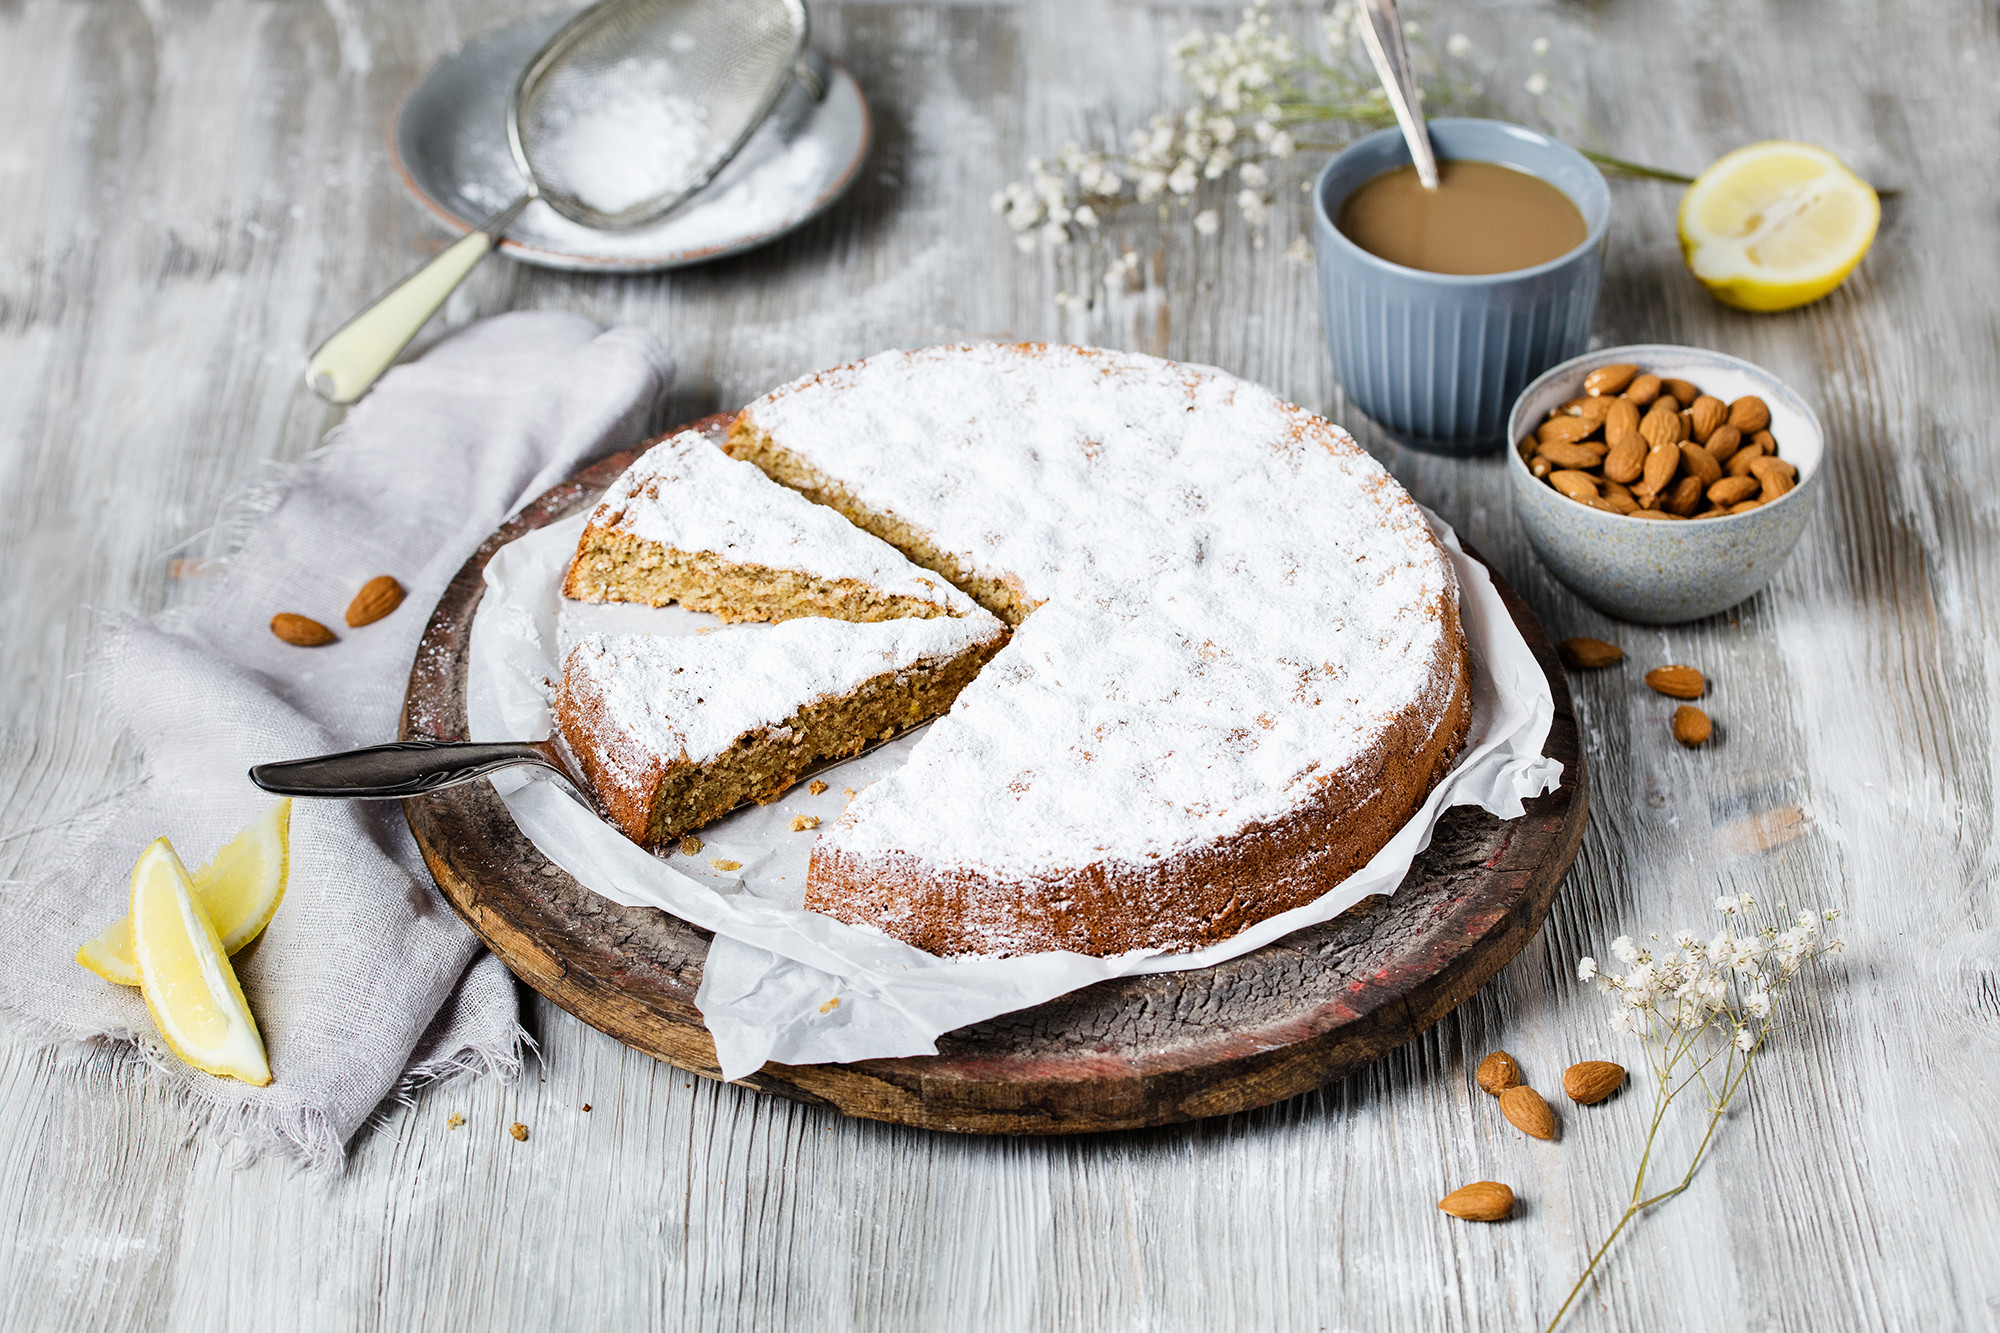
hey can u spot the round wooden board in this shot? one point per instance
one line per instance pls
(1117, 1055)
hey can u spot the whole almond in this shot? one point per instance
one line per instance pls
(301, 631)
(1593, 410)
(1775, 474)
(1642, 390)
(1677, 682)
(1740, 461)
(1620, 501)
(1663, 425)
(1620, 417)
(1576, 485)
(1573, 455)
(1699, 462)
(377, 598)
(1733, 490)
(1723, 442)
(1662, 461)
(1527, 1111)
(1709, 415)
(1591, 1081)
(1498, 1071)
(1563, 430)
(1608, 379)
(1691, 726)
(1766, 442)
(1744, 506)
(1749, 415)
(1481, 1201)
(1682, 390)
(1656, 513)
(1578, 655)
(1685, 497)
(1541, 468)
(1626, 458)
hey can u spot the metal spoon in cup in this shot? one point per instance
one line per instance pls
(629, 110)
(1382, 34)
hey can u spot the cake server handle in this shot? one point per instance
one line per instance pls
(402, 768)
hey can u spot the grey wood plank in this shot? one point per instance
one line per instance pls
(199, 188)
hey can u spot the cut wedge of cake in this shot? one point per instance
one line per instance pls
(675, 731)
(672, 731)
(689, 524)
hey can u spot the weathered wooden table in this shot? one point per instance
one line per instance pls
(196, 191)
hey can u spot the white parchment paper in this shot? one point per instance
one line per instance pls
(785, 984)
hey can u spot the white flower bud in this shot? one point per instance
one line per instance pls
(1459, 45)
(1281, 145)
(1207, 222)
(1254, 175)
(1537, 84)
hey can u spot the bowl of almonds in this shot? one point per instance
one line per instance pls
(1663, 484)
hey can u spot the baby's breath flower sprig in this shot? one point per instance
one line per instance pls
(1259, 98)
(1702, 1010)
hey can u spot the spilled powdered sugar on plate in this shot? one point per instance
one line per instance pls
(773, 966)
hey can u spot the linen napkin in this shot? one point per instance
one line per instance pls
(365, 985)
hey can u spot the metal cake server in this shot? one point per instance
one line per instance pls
(412, 768)
(407, 768)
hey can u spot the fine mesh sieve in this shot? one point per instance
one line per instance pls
(629, 109)
(636, 104)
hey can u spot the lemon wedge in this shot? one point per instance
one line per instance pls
(1776, 224)
(240, 889)
(185, 976)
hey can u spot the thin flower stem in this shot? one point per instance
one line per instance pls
(1639, 169)
(1733, 1079)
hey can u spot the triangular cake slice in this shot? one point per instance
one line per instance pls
(687, 523)
(674, 731)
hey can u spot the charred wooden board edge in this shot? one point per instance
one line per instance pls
(578, 950)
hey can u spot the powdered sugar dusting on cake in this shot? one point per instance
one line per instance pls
(655, 700)
(1238, 602)
(685, 493)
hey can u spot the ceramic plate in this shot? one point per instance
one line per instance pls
(449, 143)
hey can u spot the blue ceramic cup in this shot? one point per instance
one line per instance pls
(1438, 358)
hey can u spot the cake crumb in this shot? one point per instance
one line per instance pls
(454, 1120)
(690, 845)
(586, 1107)
(519, 1131)
(847, 791)
(830, 1005)
(724, 863)
(800, 823)
(816, 787)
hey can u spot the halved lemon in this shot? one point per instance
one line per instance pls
(240, 889)
(1776, 224)
(185, 976)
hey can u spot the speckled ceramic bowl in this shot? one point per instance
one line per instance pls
(1666, 573)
